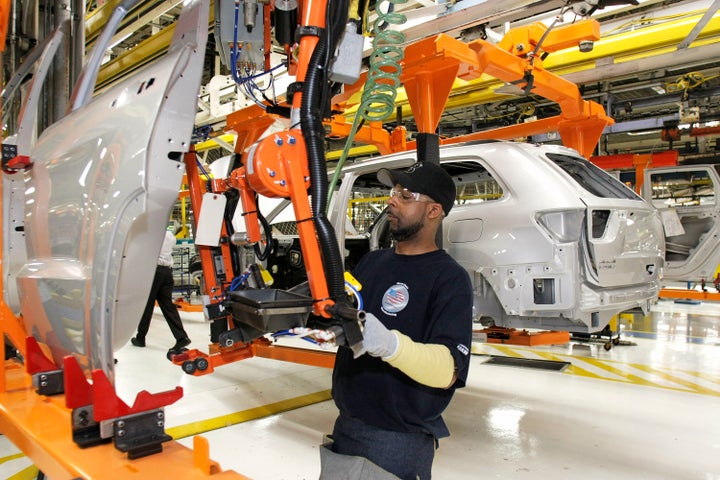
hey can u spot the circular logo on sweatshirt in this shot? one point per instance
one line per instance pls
(395, 299)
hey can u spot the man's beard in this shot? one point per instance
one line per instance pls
(406, 233)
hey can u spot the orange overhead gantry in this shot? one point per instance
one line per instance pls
(431, 67)
(517, 59)
(429, 71)
(637, 161)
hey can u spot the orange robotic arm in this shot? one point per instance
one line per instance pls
(291, 164)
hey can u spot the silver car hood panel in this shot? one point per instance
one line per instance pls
(98, 200)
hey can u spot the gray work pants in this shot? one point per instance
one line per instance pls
(334, 466)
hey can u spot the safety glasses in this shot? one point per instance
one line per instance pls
(407, 196)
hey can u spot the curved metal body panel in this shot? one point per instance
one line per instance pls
(14, 252)
(98, 199)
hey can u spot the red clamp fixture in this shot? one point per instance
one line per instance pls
(12, 162)
(98, 414)
(47, 378)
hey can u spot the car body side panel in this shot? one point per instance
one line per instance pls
(629, 250)
(98, 200)
(688, 198)
(14, 252)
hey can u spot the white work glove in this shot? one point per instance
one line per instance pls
(378, 341)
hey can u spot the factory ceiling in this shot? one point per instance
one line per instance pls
(656, 68)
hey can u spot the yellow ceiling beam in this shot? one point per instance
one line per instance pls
(136, 57)
(212, 142)
(641, 43)
(96, 20)
(144, 52)
(354, 152)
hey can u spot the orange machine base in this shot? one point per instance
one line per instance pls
(680, 294)
(520, 337)
(40, 426)
(187, 307)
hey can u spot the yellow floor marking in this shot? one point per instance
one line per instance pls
(29, 473)
(581, 372)
(705, 376)
(611, 369)
(631, 378)
(194, 428)
(672, 378)
(9, 458)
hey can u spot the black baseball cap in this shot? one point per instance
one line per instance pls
(423, 177)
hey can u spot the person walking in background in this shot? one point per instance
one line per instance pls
(161, 291)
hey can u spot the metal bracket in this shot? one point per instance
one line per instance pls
(85, 430)
(8, 153)
(140, 434)
(49, 382)
(215, 311)
(231, 337)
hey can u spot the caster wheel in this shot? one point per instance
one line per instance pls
(608, 345)
(202, 364)
(188, 367)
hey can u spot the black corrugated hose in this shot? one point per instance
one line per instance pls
(314, 87)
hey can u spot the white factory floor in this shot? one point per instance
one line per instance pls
(647, 408)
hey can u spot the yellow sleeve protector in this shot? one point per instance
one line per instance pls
(431, 364)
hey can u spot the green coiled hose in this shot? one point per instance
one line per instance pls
(378, 98)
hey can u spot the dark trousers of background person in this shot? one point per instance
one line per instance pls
(162, 289)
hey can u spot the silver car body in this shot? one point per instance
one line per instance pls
(98, 199)
(542, 251)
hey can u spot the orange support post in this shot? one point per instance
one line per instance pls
(637, 161)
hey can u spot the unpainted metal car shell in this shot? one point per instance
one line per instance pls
(548, 253)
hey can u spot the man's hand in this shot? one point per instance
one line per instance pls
(378, 341)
